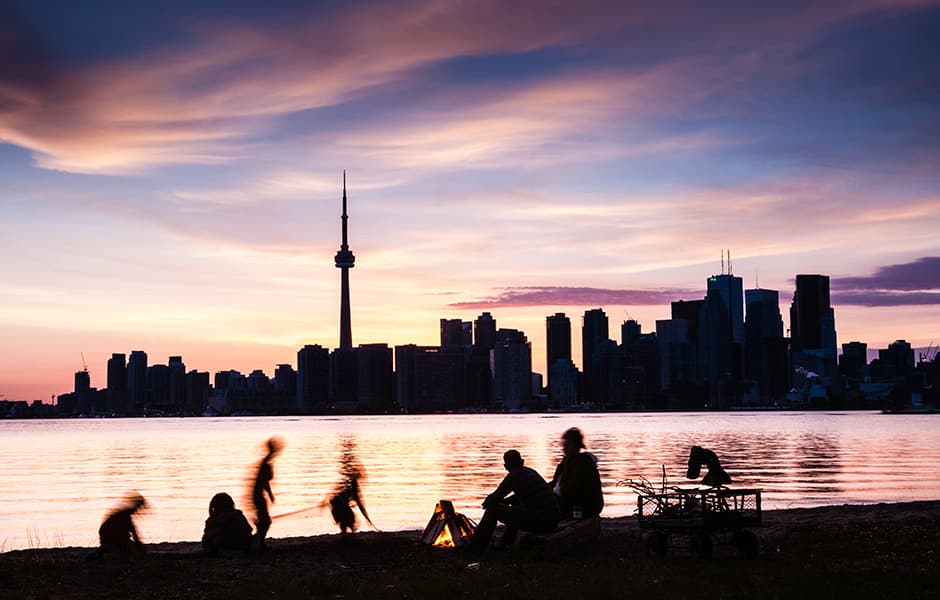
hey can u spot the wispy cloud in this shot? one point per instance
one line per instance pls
(905, 284)
(575, 296)
(208, 99)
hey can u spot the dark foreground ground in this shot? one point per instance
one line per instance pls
(879, 551)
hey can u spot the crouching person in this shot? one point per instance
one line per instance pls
(117, 533)
(227, 529)
(523, 501)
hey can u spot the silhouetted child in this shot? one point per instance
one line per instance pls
(226, 528)
(262, 486)
(118, 534)
(348, 493)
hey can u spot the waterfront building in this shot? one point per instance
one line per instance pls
(456, 333)
(313, 379)
(853, 364)
(177, 384)
(812, 326)
(137, 381)
(478, 373)
(376, 380)
(594, 331)
(285, 379)
(197, 392)
(512, 369)
(117, 384)
(557, 343)
(484, 332)
(563, 390)
(158, 386)
(765, 360)
(641, 379)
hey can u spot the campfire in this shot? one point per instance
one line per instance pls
(448, 528)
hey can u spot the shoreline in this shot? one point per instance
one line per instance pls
(773, 520)
(864, 551)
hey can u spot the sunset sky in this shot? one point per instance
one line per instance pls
(171, 172)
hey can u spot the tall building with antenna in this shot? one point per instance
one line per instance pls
(344, 366)
(345, 261)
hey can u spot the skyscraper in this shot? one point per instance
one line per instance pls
(594, 332)
(813, 326)
(117, 383)
(729, 289)
(313, 378)
(137, 379)
(484, 330)
(512, 369)
(557, 341)
(766, 356)
(812, 321)
(345, 261)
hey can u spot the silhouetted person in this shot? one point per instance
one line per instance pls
(577, 482)
(349, 493)
(118, 533)
(715, 476)
(523, 501)
(263, 486)
(226, 528)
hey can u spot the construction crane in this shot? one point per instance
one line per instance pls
(926, 356)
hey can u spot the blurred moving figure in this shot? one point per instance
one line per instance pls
(226, 528)
(261, 487)
(117, 532)
(348, 492)
(577, 481)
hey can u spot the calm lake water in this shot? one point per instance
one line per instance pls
(61, 476)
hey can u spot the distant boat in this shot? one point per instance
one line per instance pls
(243, 413)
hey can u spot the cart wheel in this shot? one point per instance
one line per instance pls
(656, 543)
(701, 544)
(747, 542)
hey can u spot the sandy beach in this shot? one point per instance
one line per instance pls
(867, 551)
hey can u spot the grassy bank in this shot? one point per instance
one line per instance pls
(879, 551)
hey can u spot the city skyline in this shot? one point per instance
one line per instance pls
(467, 336)
(170, 177)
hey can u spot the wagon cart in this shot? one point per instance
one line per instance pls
(704, 517)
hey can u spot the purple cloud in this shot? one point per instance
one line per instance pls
(575, 296)
(907, 284)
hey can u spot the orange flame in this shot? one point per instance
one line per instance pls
(444, 539)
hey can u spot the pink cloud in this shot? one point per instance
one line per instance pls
(575, 296)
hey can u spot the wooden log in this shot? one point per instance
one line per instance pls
(569, 535)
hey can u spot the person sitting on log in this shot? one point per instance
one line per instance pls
(716, 476)
(226, 528)
(523, 500)
(577, 482)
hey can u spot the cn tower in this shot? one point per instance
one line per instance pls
(345, 261)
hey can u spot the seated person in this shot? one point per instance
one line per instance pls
(530, 507)
(576, 481)
(226, 528)
(118, 533)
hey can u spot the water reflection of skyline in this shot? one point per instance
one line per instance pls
(412, 462)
